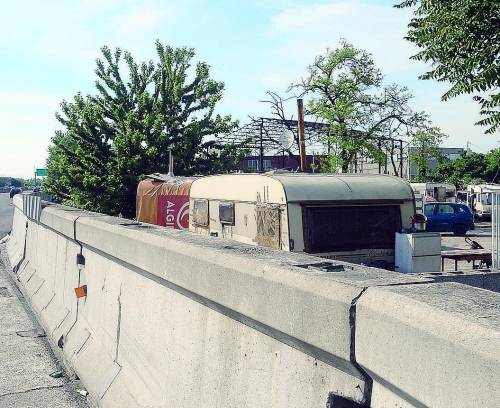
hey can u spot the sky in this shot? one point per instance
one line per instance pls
(48, 50)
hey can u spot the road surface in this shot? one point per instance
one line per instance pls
(6, 213)
(26, 360)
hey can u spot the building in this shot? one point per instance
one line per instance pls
(273, 162)
(450, 153)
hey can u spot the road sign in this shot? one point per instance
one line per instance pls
(41, 172)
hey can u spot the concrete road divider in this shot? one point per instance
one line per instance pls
(432, 345)
(17, 240)
(168, 318)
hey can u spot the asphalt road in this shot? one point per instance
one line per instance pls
(6, 213)
(30, 375)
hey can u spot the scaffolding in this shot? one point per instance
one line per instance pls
(263, 135)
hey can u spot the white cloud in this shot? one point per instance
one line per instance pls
(139, 19)
(300, 33)
(306, 31)
(304, 17)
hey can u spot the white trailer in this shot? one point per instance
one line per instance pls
(479, 198)
(352, 218)
(442, 192)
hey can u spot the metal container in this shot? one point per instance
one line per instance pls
(419, 222)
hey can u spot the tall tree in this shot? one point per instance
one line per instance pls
(461, 39)
(425, 144)
(346, 91)
(140, 111)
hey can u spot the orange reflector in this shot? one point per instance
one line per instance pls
(81, 291)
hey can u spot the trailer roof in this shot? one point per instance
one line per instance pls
(281, 187)
(416, 186)
(486, 186)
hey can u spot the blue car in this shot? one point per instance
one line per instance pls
(449, 217)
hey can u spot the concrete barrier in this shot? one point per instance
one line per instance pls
(172, 319)
(17, 240)
(431, 345)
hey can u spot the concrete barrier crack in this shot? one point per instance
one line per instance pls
(118, 326)
(352, 324)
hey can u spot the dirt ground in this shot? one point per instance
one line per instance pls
(482, 235)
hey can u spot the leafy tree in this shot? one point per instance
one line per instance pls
(493, 166)
(470, 168)
(346, 91)
(425, 147)
(14, 182)
(123, 132)
(461, 39)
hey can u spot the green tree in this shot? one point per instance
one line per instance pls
(461, 39)
(470, 168)
(110, 140)
(493, 166)
(346, 91)
(425, 147)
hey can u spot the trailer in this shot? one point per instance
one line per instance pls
(352, 218)
(479, 198)
(163, 200)
(442, 192)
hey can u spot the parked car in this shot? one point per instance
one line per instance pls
(449, 217)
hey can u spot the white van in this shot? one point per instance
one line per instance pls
(347, 217)
(442, 192)
(479, 198)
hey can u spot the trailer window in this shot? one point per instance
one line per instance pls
(226, 213)
(329, 229)
(486, 198)
(200, 213)
(268, 226)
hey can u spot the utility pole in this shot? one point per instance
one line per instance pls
(302, 141)
(261, 147)
(401, 159)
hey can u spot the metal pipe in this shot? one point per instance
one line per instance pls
(170, 163)
(401, 159)
(302, 141)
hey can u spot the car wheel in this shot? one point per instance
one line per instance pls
(459, 230)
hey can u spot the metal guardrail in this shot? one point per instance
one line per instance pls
(495, 230)
(32, 206)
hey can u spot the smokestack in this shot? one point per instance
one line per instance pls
(170, 163)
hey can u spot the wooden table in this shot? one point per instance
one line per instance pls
(466, 255)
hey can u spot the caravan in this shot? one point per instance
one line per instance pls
(479, 198)
(442, 192)
(352, 218)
